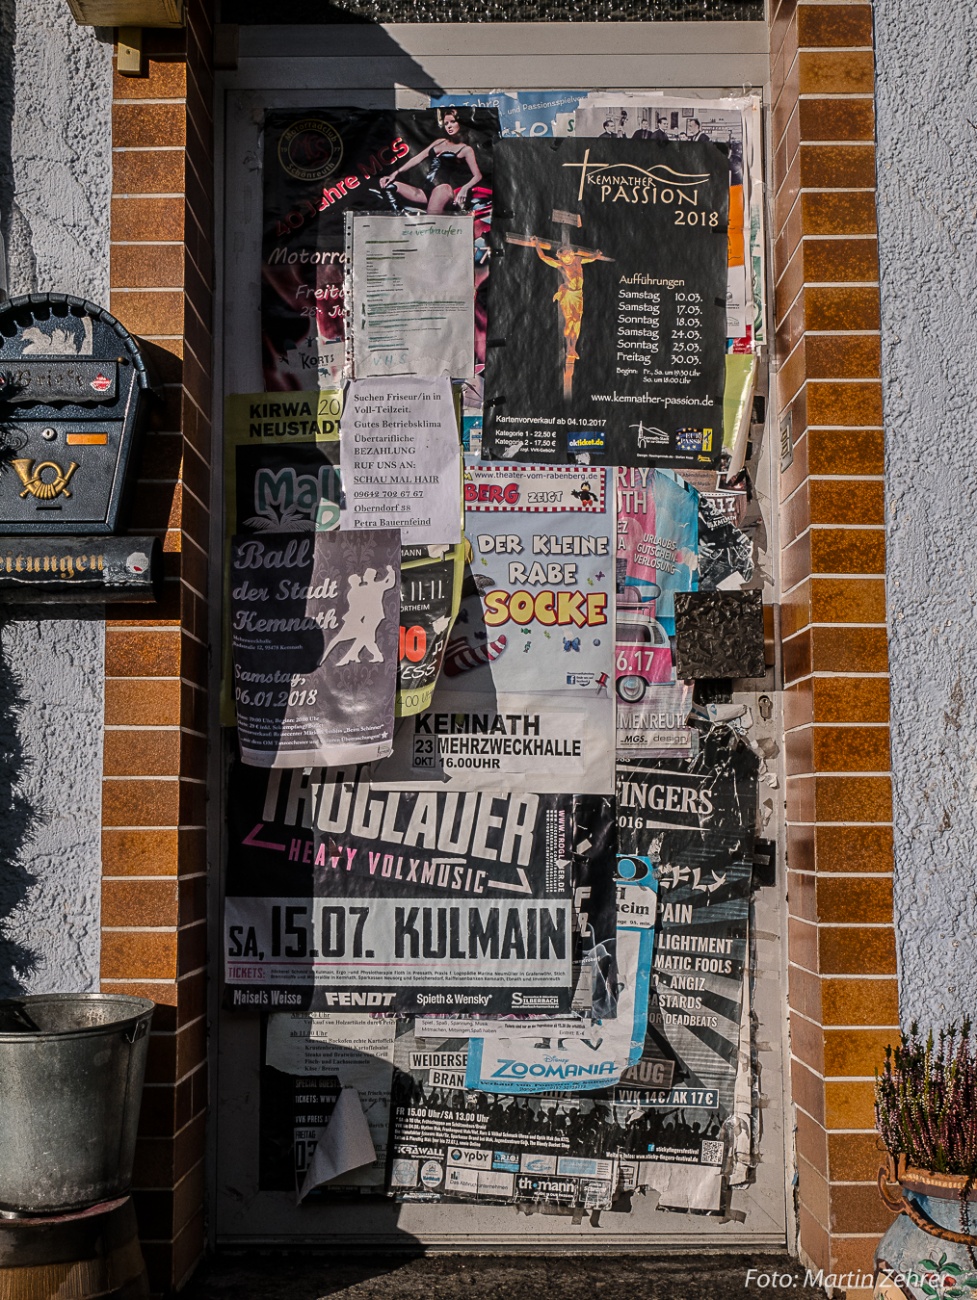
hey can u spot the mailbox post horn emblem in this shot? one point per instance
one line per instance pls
(37, 486)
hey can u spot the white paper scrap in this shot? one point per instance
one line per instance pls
(344, 1144)
(685, 1187)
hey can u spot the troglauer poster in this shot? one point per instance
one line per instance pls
(607, 302)
(320, 164)
(314, 643)
(342, 897)
(525, 695)
(309, 1058)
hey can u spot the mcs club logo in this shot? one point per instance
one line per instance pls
(310, 150)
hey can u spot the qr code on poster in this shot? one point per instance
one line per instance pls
(712, 1153)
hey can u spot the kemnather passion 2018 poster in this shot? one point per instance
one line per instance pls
(607, 320)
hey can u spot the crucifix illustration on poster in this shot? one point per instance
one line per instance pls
(569, 260)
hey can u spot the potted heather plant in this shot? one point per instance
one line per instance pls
(926, 1115)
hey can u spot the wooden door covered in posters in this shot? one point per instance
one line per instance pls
(691, 1147)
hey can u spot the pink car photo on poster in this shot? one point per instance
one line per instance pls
(657, 555)
(642, 651)
(652, 707)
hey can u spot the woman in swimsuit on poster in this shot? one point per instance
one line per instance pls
(452, 169)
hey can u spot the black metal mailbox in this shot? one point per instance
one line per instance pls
(73, 402)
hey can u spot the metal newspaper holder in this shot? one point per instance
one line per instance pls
(74, 399)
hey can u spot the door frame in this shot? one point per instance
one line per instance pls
(403, 64)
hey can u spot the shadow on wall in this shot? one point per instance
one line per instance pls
(8, 32)
(300, 12)
(19, 265)
(16, 815)
(16, 818)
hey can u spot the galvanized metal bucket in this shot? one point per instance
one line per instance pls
(71, 1075)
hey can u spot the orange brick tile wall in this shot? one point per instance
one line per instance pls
(841, 945)
(154, 793)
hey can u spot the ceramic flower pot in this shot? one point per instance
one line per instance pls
(930, 1251)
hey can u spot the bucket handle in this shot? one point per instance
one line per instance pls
(907, 1205)
(139, 1030)
(23, 1020)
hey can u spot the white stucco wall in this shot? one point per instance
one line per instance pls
(55, 184)
(927, 161)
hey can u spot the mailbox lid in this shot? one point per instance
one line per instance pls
(40, 381)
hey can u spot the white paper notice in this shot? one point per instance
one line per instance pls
(401, 459)
(410, 294)
(358, 1049)
(441, 1027)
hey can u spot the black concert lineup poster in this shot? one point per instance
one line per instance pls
(607, 302)
(340, 897)
(319, 164)
(693, 1027)
(315, 625)
(446, 1143)
(691, 821)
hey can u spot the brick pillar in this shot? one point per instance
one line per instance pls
(154, 792)
(841, 947)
